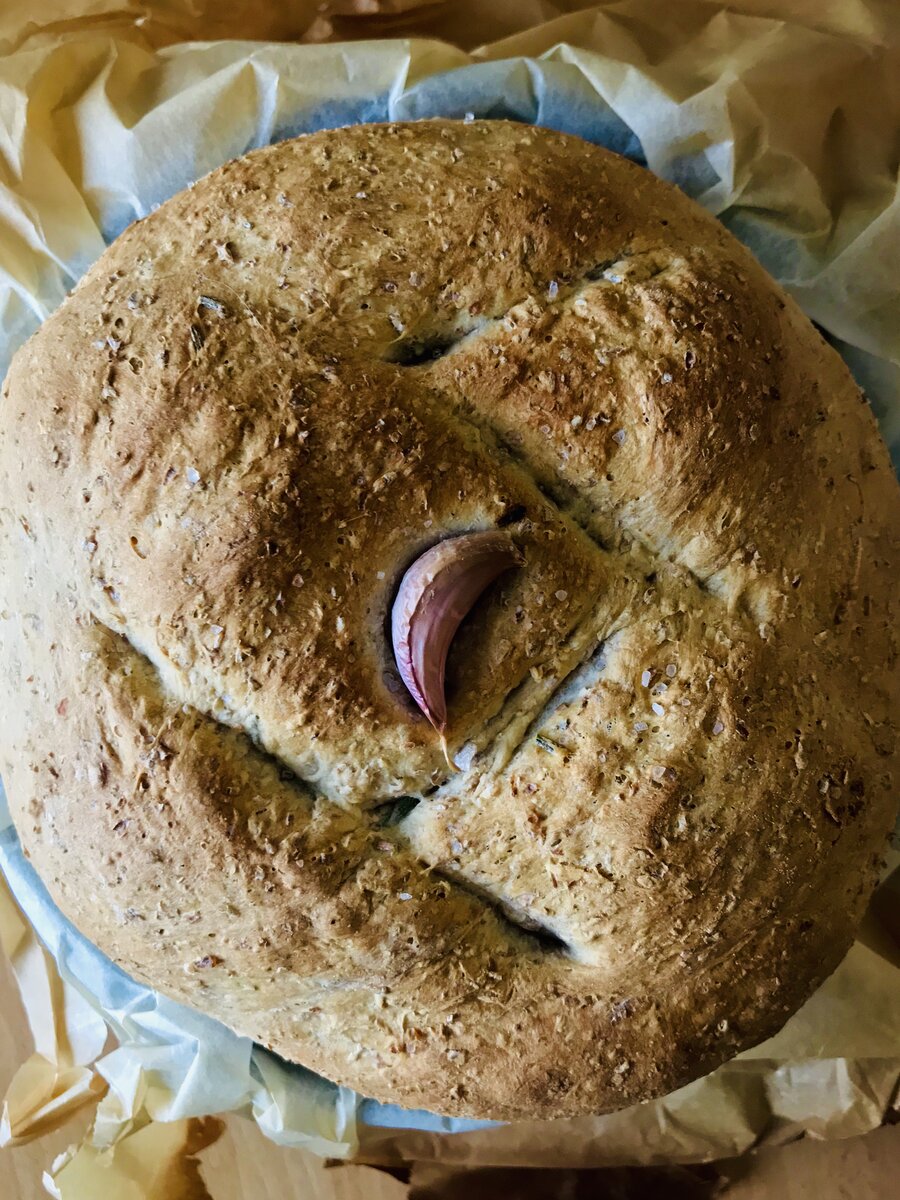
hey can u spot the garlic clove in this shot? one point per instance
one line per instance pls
(434, 596)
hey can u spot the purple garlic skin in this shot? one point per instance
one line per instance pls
(435, 594)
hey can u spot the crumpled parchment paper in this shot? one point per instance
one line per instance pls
(784, 124)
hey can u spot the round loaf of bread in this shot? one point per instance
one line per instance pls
(672, 723)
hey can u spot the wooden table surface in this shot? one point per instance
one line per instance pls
(243, 1165)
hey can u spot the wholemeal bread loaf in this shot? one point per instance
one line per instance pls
(672, 722)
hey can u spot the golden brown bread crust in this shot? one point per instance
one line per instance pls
(218, 458)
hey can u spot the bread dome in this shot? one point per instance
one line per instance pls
(672, 722)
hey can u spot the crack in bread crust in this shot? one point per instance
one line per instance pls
(213, 448)
(535, 937)
(414, 352)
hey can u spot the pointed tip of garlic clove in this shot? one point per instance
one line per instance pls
(445, 750)
(434, 596)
